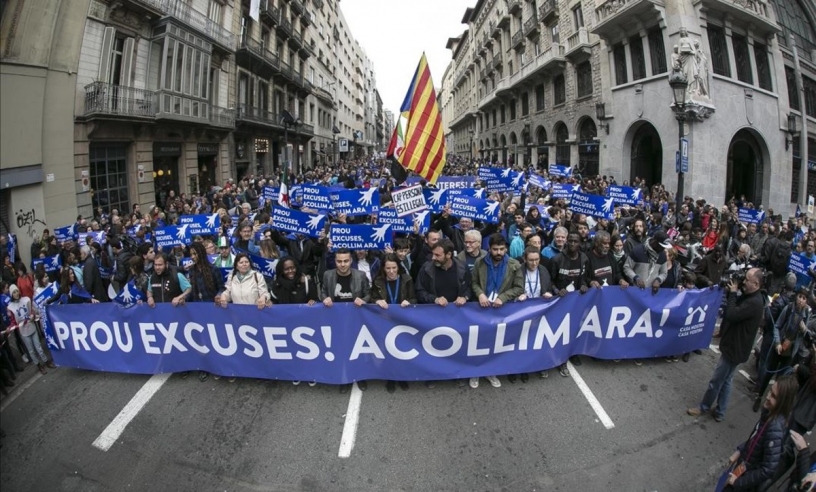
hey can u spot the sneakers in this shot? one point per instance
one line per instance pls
(391, 386)
(674, 358)
(312, 384)
(461, 383)
(184, 374)
(638, 362)
(525, 377)
(564, 371)
(295, 383)
(362, 385)
(231, 380)
(216, 377)
(50, 364)
(694, 411)
(544, 374)
(686, 357)
(203, 376)
(576, 361)
(474, 383)
(512, 378)
(494, 381)
(430, 384)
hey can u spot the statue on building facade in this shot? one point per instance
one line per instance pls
(689, 58)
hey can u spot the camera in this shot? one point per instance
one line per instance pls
(737, 276)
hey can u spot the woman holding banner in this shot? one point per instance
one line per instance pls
(391, 287)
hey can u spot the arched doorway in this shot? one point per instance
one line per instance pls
(513, 149)
(562, 147)
(745, 168)
(588, 149)
(647, 155)
(503, 144)
(543, 149)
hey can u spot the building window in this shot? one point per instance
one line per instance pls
(562, 148)
(502, 114)
(555, 34)
(763, 67)
(583, 76)
(525, 104)
(494, 118)
(577, 17)
(657, 51)
(539, 95)
(109, 179)
(810, 96)
(793, 93)
(214, 11)
(182, 73)
(512, 109)
(619, 54)
(742, 58)
(638, 58)
(719, 50)
(559, 90)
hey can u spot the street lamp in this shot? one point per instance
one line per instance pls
(471, 144)
(335, 131)
(288, 120)
(791, 130)
(679, 84)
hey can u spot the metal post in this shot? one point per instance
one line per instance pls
(803, 134)
(681, 118)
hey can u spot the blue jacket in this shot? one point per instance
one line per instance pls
(763, 461)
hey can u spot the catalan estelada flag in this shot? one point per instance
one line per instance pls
(424, 151)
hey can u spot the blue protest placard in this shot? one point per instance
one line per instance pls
(291, 220)
(625, 194)
(171, 236)
(270, 193)
(750, 215)
(514, 181)
(200, 225)
(264, 266)
(129, 297)
(316, 197)
(493, 172)
(800, 264)
(475, 208)
(436, 199)
(346, 343)
(98, 237)
(564, 191)
(405, 224)
(446, 182)
(40, 301)
(50, 263)
(360, 236)
(65, 233)
(593, 205)
(539, 181)
(560, 171)
(355, 202)
(471, 192)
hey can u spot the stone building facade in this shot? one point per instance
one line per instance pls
(585, 83)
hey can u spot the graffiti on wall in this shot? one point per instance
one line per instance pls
(27, 221)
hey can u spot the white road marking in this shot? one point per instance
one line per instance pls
(14, 395)
(134, 406)
(593, 402)
(714, 348)
(352, 419)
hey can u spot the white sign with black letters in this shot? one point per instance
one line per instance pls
(408, 200)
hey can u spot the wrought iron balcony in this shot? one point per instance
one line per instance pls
(102, 99)
(612, 15)
(183, 12)
(222, 117)
(504, 20)
(318, 3)
(306, 18)
(307, 50)
(296, 6)
(754, 13)
(150, 8)
(547, 10)
(548, 62)
(269, 13)
(251, 114)
(286, 70)
(295, 40)
(578, 44)
(531, 26)
(515, 7)
(285, 27)
(254, 56)
(306, 129)
(518, 40)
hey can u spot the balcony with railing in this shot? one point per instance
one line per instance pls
(296, 6)
(548, 62)
(255, 56)
(306, 129)
(286, 70)
(177, 107)
(517, 41)
(578, 44)
(504, 20)
(269, 13)
(531, 26)
(285, 27)
(318, 3)
(755, 13)
(149, 8)
(611, 15)
(194, 19)
(306, 18)
(222, 117)
(258, 116)
(307, 49)
(548, 10)
(117, 101)
(295, 40)
(515, 7)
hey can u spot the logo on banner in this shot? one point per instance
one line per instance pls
(171, 236)
(270, 193)
(539, 181)
(559, 170)
(50, 263)
(801, 264)
(436, 198)
(65, 233)
(199, 225)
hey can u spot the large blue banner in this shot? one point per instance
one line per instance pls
(800, 264)
(624, 194)
(475, 208)
(270, 193)
(493, 172)
(514, 181)
(593, 205)
(291, 220)
(360, 236)
(355, 202)
(316, 197)
(446, 182)
(99, 237)
(750, 215)
(559, 170)
(405, 224)
(539, 181)
(50, 263)
(345, 343)
(200, 224)
(564, 191)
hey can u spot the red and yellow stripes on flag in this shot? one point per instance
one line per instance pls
(424, 151)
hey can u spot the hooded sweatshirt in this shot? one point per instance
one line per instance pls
(20, 313)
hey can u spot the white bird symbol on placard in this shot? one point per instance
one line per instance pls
(607, 205)
(211, 220)
(436, 196)
(182, 232)
(314, 221)
(490, 209)
(379, 233)
(367, 196)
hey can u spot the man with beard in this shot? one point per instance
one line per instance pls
(711, 268)
(444, 279)
(473, 249)
(636, 237)
(423, 251)
(603, 268)
(497, 280)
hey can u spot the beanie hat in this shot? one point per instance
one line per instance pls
(12, 289)
(790, 281)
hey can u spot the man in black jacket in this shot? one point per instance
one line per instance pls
(741, 319)
(444, 280)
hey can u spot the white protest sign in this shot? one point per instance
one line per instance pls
(408, 200)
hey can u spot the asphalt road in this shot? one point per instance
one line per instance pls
(272, 436)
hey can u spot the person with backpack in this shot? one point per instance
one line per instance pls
(121, 269)
(775, 256)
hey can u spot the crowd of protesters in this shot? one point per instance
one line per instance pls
(528, 254)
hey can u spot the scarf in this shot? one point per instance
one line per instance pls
(495, 275)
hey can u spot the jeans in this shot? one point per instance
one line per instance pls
(719, 388)
(32, 343)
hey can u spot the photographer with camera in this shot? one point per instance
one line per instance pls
(790, 334)
(743, 315)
